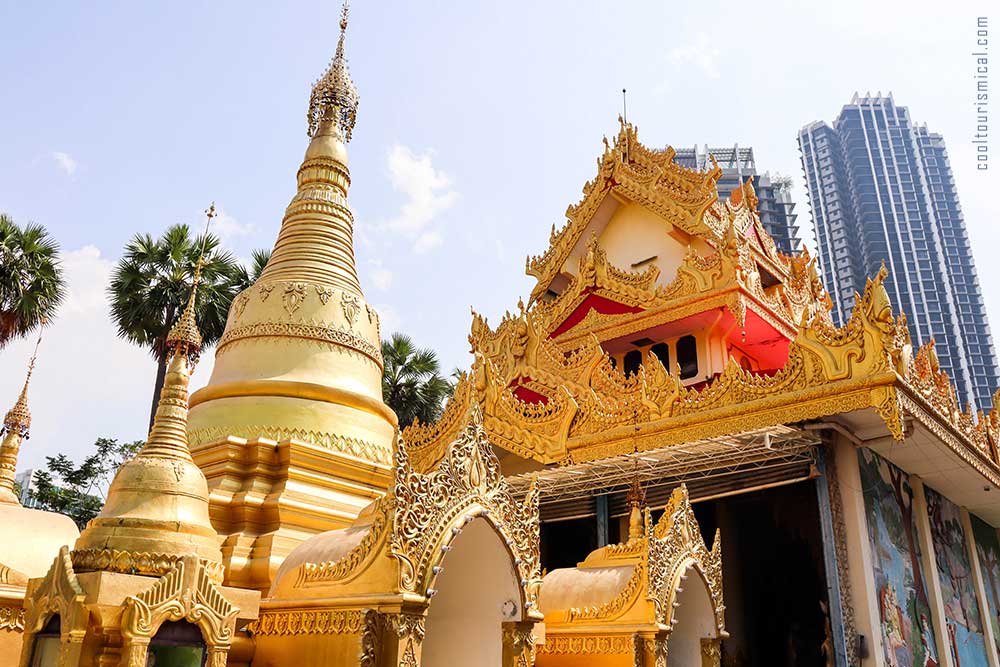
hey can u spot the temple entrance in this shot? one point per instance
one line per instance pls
(695, 620)
(478, 591)
(774, 578)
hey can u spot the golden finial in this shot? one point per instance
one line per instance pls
(334, 97)
(184, 334)
(13, 431)
(636, 498)
(18, 417)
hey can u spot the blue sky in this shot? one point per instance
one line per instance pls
(479, 123)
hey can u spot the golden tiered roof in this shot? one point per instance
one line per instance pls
(584, 408)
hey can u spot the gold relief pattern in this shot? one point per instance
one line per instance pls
(309, 622)
(324, 293)
(354, 446)
(59, 593)
(293, 296)
(240, 304)
(340, 569)
(12, 619)
(426, 506)
(618, 604)
(141, 563)
(350, 304)
(675, 545)
(186, 592)
(588, 645)
(371, 639)
(316, 331)
(711, 652)
(265, 290)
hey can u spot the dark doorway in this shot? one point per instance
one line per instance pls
(566, 543)
(773, 575)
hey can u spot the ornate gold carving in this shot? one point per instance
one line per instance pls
(265, 290)
(467, 479)
(12, 619)
(142, 563)
(350, 304)
(320, 332)
(354, 446)
(675, 545)
(371, 639)
(309, 622)
(711, 652)
(324, 293)
(293, 296)
(350, 562)
(587, 644)
(625, 598)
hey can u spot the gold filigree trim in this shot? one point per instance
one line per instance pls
(354, 446)
(12, 619)
(308, 622)
(142, 563)
(319, 332)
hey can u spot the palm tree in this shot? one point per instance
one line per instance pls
(31, 280)
(152, 282)
(245, 277)
(412, 384)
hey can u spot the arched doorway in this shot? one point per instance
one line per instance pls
(694, 617)
(477, 591)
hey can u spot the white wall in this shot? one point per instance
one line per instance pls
(464, 620)
(695, 621)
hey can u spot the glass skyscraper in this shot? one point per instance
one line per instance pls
(881, 190)
(774, 201)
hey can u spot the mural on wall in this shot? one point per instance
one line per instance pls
(988, 550)
(904, 612)
(965, 637)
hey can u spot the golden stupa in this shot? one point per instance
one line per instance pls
(29, 536)
(291, 430)
(143, 580)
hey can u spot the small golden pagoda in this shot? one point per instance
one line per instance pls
(29, 536)
(144, 578)
(656, 597)
(291, 430)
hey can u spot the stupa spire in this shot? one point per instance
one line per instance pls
(334, 97)
(316, 241)
(15, 428)
(158, 500)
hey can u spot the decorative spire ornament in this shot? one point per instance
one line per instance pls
(158, 500)
(15, 429)
(334, 97)
(635, 498)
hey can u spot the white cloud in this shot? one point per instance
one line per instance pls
(226, 227)
(427, 241)
(380, 276)
(65, 162)
(700, 53)
(428, 193)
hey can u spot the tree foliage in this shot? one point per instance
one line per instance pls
(412, 384)
(77, 490)
(151, 285)
(31, 279)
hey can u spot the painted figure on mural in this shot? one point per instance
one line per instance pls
(908, 636)
(988, 550)
(966, 639)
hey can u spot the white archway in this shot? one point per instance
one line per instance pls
(477, 591)
(695, 616)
